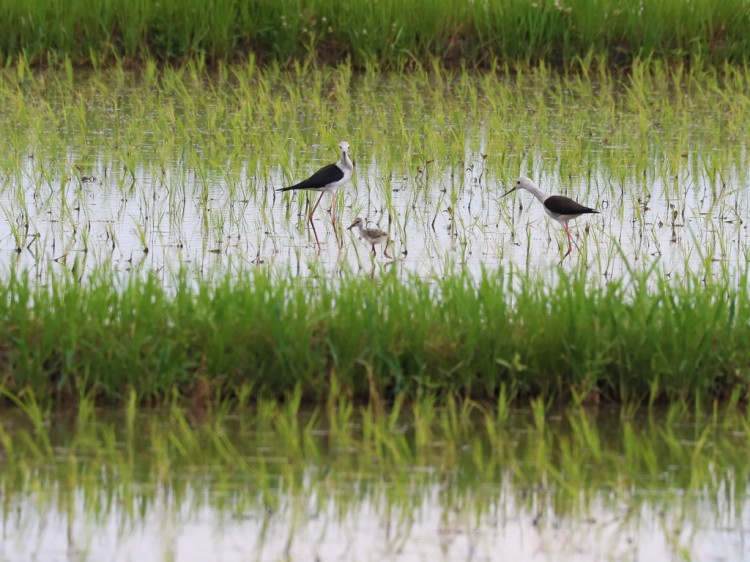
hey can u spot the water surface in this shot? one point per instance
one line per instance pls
(109, 168)
(584, 486)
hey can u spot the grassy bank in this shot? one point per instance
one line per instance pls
(564, 338)
(48, 31)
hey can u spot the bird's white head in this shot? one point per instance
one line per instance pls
(523, 183)
(344, 146)
(357, 222)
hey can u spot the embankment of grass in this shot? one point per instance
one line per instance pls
(386, 32)
(562, 338)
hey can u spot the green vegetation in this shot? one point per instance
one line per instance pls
(146, 260)
(170, 174)
(99, 165)
(310, 474)
(383, 31)
(570, 338)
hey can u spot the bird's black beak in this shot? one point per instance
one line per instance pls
(508, 192)
(352, 226)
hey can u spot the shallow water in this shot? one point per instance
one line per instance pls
(672, 188)
(587, 486)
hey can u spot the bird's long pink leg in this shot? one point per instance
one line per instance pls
(315, 233)
(310, 218)
(570, 245)
(316, 205)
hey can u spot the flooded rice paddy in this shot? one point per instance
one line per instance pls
(576, 486)
(179, 171)
(176, 171)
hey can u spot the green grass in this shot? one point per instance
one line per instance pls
(564, 337)
(51, 32)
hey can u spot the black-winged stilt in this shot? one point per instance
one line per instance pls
(372, 236)
(560, 208)
(327, 180)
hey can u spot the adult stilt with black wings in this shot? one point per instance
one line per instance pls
(327, 180)
(562, 209)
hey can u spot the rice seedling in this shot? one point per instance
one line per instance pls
(172, 163)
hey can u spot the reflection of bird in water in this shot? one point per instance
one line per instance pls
(372, 236)
(327, 180)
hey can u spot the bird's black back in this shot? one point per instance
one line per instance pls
(323, 177)
(565, 206)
